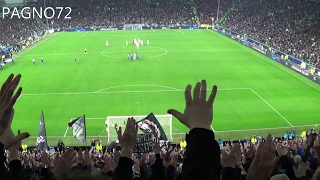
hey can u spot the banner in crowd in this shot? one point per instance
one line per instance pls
(150, 124)
(78, 127)
(291, 62)
(144, 143)
(42, 135)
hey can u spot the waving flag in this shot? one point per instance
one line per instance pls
(42, 135)
(78, 127)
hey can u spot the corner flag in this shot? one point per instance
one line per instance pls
(79, 128)
(42, 135)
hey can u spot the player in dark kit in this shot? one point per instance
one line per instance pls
(41, 60)
(131, 56)
(75, 59)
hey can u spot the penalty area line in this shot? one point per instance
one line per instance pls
(181, 32)
(271, 107)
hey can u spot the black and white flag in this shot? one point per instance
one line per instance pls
(144, 143)
(42, 135)
(78, 127)
(151, 124)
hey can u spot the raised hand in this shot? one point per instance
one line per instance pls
(231, 159)
(63, 163)
(156, 146)
(7, 101)
(198, 112)
(264, 161)
(86, 158)
(17, 146)
(45, 159)
(301, 171)
(128, 138)
(249, 153)
(80, 157)
(116, 157)
(8, 139)
(152, 158)
(282, 151)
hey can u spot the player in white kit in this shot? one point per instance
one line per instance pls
(148, 42)
(107, 43)
(141, 42)
(127, 43)
(33, 61)
(136, 42)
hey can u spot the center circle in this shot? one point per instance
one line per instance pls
(145, 52)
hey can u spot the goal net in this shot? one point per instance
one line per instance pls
(119, 121)
(133, 26)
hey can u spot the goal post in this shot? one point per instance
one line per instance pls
(133, 27)
(164, 120)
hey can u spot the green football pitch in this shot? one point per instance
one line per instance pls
(256, 95)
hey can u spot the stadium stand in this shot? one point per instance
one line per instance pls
(97, 13)
(290, 26)
(14, 30)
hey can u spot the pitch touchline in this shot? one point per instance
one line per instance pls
(37, 44)
(119, 92)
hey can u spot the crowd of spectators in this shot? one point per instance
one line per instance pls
(207, 10)
(100, 13)
(201, 156)
(291, 26)
(12, 31)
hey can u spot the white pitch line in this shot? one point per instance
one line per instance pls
(181, 32)
(67, 130)
(19, 97)
(271, 107)
(85, 34)
(120, 92)
(37, 44)
(137, 85)
(212, 128)
(285, 69)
